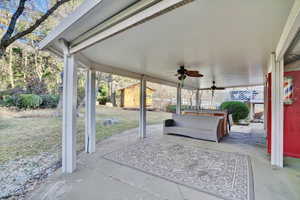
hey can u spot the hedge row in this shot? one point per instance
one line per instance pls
(172, 108)
(30, 101)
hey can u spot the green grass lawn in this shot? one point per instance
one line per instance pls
(29, 133)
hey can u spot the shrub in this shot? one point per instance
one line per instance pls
(102, 95)
(28, 101)
(35, 86)
(10, 100)
(239, 110)
(49, 101)
(172, 108)
(22, 101)
(102, 100)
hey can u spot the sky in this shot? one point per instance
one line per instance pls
(37, 5)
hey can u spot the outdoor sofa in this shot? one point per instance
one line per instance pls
(200, 127)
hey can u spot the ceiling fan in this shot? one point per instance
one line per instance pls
(213, 88)
(182, 73)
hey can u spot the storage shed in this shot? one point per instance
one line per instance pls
(130, 97)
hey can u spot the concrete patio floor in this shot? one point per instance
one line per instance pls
(97, 178)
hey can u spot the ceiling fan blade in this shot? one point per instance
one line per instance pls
(194, 74)
(220, 88)
(192, 71)
(205, 88)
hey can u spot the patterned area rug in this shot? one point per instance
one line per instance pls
(222, 174)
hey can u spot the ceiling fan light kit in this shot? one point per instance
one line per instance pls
(183, 73)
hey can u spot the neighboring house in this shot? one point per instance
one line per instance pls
(253, 97)
(246, 95)
(130, 96)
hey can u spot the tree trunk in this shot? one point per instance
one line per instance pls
(2, 52)
(38, 66)
(60, 92)
(10, 68)
(25, 65)
(108, 89)
(113, 99)
(59, 106)
(80, 103)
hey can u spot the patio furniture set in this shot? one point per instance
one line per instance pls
(209, 125)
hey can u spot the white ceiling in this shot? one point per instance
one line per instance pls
(229, 41)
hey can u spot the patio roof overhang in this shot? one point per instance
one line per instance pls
(232, 42)
(228, 41)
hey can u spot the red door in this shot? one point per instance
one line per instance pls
(291, 118)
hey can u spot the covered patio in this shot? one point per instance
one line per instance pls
(234, 43)
(99, 178)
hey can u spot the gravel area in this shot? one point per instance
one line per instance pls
(20, 176)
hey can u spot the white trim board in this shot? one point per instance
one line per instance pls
(88, 64)
(113, 20)
(238, 86)
(67, 22)
(127, 23)
(289, 32)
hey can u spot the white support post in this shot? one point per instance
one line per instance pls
(277, 113)
(197, 99)
(251, 113)
(143, 109)
(90, 112)
(69, 112)
(178, 100)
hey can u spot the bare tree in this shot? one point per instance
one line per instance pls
(9, 37)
